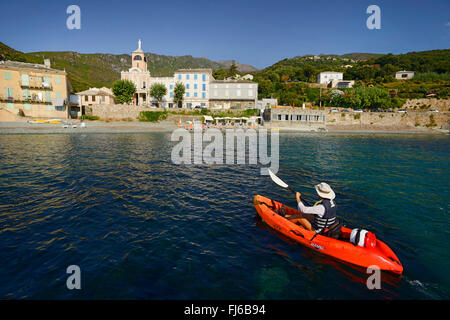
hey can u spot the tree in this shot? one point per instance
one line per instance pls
(123, 90)
(178, 93)
(158, 91)
(220, 74)
(232, 70)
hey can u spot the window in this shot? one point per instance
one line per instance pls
(9, 93)
(274, 117)
(137, 58)
(195, 94)
(187, 86)
(203, 87)
(86, 98)
(204, 77)
(93, 98)
(195, 76)
(24, 79)
(195, 86)
(203, 95)
(171, 94)
(171, 86)
(58, 79)
(187, 77)
(7, 75)
(179, 77)
(143, 84)
(286, 117)
(187, 94)
(26, 94)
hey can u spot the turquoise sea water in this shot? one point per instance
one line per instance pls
(141, 227)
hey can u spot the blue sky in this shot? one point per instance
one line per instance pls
(254, 32)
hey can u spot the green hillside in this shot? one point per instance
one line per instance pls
(289, 80)
(99, 69)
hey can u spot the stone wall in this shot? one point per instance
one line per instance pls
(117, 111)
(443, 105)
(388, 121)
(7, 116)
(114, 112)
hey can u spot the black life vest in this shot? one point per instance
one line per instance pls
(328, 219)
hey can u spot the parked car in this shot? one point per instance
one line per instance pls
(344, 111)
(359, 110)
(334, 110)
(197, 107)
(402, 111)
(434, 111)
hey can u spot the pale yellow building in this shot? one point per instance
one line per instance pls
(37, 90)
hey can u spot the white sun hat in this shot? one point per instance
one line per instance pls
(324, 190)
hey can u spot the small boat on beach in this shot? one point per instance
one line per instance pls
(378, 254)
(51, 121)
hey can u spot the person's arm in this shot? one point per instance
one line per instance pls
(319, 209)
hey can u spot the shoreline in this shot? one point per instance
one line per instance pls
(147, 127)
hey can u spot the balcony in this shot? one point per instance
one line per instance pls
(20, 99)
(42, 85)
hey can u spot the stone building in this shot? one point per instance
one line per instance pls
(298, 118)
(94, 96)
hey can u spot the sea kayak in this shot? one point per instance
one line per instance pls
(379, 255)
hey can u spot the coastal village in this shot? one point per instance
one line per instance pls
(227, 159)
(40, 94)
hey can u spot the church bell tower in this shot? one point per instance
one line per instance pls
(138, 59)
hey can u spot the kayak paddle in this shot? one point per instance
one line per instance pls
(282, 184)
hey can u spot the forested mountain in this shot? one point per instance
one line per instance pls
(100, 69)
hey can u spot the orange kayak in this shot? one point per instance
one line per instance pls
(380, 255)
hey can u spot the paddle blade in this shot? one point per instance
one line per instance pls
(277, 180)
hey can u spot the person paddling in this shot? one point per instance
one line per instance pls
(320, 216)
